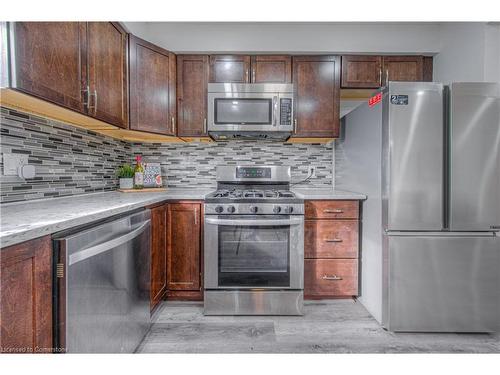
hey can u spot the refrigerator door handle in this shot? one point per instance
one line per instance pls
(439, 234)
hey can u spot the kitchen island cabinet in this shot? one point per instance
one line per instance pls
(26, 297)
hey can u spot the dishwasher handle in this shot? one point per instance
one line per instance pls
(108, 245)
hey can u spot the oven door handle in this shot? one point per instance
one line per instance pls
(254, 222)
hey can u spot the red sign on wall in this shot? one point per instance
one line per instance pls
(375, 99)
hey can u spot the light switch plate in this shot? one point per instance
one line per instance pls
(11, 162)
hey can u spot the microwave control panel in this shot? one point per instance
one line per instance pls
(286, 111)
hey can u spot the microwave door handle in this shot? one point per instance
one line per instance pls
(254, 222)
(275, 109)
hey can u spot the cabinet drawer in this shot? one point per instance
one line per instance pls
(331, 239)
(331, 209)
(330, 277)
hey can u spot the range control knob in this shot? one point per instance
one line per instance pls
(231, 209)
(219, 209)
(253, 209)
(288, 210)
(276, 209)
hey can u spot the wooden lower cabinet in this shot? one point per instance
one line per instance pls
(331, 249)
(158, 254)
(184, 255)
(26, 297)
(330, 278)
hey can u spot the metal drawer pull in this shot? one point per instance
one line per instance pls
(334, 277)
(334, 240)
(333, 211)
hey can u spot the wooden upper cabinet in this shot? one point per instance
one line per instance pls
(317, 96)
(361, 71)
(184, 246)
(26, 297)
(403, 68)
(49, 61)
(428, 69)
(107, 57)
(152, 87)
(192, 81)
(158, 253)
(271, 69)
(229, 68)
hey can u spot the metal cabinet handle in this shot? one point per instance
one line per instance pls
(380, 76)
(295, 126)
(336, 211)
(172, 121)
(101, 248)
(334, 240)
(253, 75)
(94, 106)
(85, 92)
(387, 77)
(246, 75)
(205, 125)
(333, 277)
(275, 109)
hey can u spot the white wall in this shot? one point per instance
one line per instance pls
(468, 52)
(351, 37)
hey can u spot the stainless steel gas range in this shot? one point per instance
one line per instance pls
(254, 243)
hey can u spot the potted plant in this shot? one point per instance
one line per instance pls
(126, 175)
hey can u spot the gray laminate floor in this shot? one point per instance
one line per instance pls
(341, 326)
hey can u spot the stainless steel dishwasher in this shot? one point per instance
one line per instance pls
(102, 278)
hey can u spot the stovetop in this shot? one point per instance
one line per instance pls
(252, 194)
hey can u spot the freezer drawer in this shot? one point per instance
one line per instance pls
(442, 283)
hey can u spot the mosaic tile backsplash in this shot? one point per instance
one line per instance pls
(194, 164)
(71, 161)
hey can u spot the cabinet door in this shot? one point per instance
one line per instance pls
(151, 85)
(158, 254)
(271, 69)
(26, 296)
(107, 72)
(361, 71)
(49, 63)
(192, 81)
(317, 95)
(184, 246)
(229, 68)
(403, 68)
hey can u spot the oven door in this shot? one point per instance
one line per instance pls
(252, 112)
(248, 252)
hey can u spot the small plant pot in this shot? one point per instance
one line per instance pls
(126, 183)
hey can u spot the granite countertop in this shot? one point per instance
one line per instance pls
(327, 193)
(31, 219)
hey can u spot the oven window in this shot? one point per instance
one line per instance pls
(243, 111)
(254, 256)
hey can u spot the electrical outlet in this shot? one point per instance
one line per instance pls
(312, 172)
(11, 163)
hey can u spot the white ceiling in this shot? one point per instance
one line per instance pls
(275, 37)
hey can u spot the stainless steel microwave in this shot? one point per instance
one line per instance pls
(250, 110)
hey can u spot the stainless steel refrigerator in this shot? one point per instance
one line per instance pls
(438, 218)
